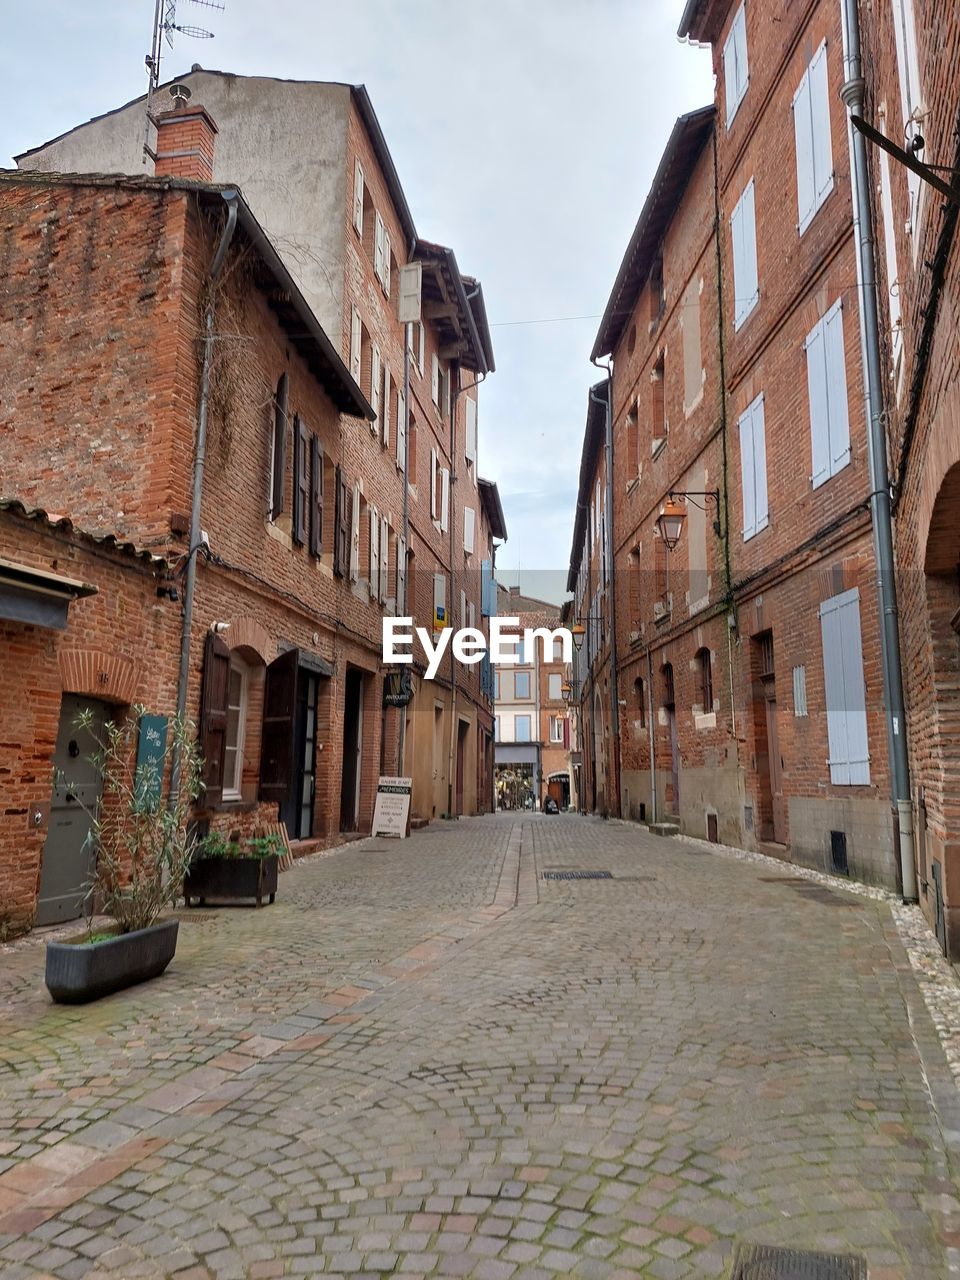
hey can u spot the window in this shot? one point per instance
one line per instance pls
(521, 684)
(236, 725)
(705, 677)
(556, 729)
(692, 356)
(469, 526)
(385, 406)
(384, 559)
(401, 429)
(316, 497)
(911, 99)
(355, 534)
(658, 409)
(278, 459)
(811, 125)
(418, 346)
(640, 696)
(501, 684)
(743, 230)
(753, 465)
(376, 387)
(358, 198)
(374, 551)
(844, 689)
(496, 729)
(555, 688)
(800, 692)
(444, 499)
(301, 482)
(521, 727)
(470, 446)
(356, 344)
(735, 69)
(341, 523)
(434, 485)
(827, 387)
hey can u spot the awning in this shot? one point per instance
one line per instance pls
(37, 596)
(516, 753)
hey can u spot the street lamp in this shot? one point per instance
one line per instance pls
(578, 631)
(673, 513)
(566, 691)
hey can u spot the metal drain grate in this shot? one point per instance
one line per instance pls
(764, 1262)
(576, 875)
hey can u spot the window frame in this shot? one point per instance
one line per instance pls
(811, 120)
(747, 425)
(528, 720)
(517, 677)
(233, 791)
(827, 394)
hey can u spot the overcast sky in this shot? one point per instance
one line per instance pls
(525, 133)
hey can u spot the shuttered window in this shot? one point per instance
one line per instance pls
(358, 198)
(279, 461)
(470, 447)
(316, 497)
(911, 97)
(277, 732)
(384, 559)
(435, 380)
(401, 574)
(376, 387)
(378, 248)
(811, 125)
(753, 466)
(827, 390)
(434, 486)
(385, 273)
(401, 430)
(341, 545)
(214, 702)
(385, 408)
(743, 231)
(844, 690)
(355, 534)
(800, 692)
(444, 499)
(735, 68)
(469, 524)
(356, 344)
(301, 482)
(374, 553)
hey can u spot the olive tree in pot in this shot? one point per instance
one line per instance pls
(143, 847)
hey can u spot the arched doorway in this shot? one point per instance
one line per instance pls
(935, 707)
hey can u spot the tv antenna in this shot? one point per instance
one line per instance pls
(165, 26)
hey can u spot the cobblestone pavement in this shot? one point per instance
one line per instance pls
(427, 1059)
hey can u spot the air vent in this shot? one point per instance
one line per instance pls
(762, 1262)
(838, 853)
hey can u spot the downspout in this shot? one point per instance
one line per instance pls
(402, 604)
(230, 198)
(852, 94)
(608, 523)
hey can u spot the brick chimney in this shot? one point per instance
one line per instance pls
(185, 141)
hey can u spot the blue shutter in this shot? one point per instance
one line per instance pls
(820, 126)
(819, 404)
(746, 470)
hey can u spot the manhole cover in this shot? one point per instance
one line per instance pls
(576, 875)
(764, 1262)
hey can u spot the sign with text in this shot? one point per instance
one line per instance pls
(392, 810)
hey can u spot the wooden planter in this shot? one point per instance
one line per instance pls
(79, 971)
(231, 880)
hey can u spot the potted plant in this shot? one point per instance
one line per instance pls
(143, 848)
(231, 871)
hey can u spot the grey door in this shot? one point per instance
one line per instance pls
(67, 856)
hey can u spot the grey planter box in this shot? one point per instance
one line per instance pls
(231, 880)
(78, 972)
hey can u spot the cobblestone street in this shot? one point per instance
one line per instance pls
(428, 1059)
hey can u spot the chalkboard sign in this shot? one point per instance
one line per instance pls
(151, 753)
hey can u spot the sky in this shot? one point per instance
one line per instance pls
(525, 132)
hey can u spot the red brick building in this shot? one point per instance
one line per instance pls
(747, 657)
(326, 190)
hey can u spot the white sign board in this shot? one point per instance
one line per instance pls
(392, 808)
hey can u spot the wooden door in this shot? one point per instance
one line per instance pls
(778, 803)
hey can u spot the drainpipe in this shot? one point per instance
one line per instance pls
(402, 604)
(852, 94)
(614, 675)
(230, 198)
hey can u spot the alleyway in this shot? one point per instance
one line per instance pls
(427, 1059)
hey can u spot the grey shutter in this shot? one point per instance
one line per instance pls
(276, 741)
(819, 404)
(836, 378)
(301, 482)
(316, 497)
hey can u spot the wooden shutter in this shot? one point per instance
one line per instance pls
(744, 236)
(341, 538)
(355, 534)
(316, 497)
(376, 379)
(731, 93)
(214, 699)
(819, 408)
(401, 429)
(803, 137)
(469, 520)
(301, 482)
(385, 277)
(434, 494)
(358, 198)
(836, 375)
(384, 558)
(378, 249)
(444, 499)
(422, 347)
(435, 380)
(746, 471)
(279, 446)
(844, 690)
(760, 464)
(374, 553)
(470, 448)
(820, 126)
(276, 740)
(356, 344)
(402, 601)
(385, 411)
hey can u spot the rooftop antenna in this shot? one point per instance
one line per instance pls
(165, 25)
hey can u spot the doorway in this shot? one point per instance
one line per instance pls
(308, 689)
(352, 747)
(670, 707)
(773, 809)
(463, 728)
(68, 858)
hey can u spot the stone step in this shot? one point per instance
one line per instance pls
(664, 828)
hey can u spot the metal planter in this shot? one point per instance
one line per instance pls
(77, 972)
(231, 880)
